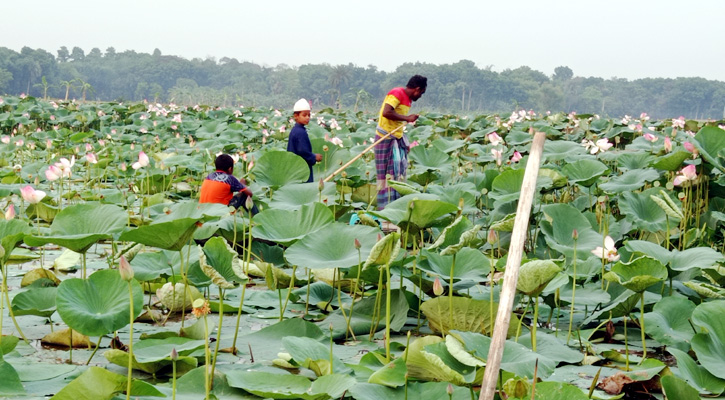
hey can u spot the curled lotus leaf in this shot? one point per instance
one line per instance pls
(637, 275)
(385, 250)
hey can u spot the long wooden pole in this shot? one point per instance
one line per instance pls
(511, 275)
(361, 154)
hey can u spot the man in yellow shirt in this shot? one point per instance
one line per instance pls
(391, 155)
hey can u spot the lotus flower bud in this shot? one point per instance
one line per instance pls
(575, 234)
(449, 389)
(124, 268)
(174, 354)
(437, 286)
(358, 245)
(249, 203)
(10, 213)
(321, 185)
(492, 236)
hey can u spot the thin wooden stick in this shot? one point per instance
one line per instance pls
(511, 275)
(361, 154)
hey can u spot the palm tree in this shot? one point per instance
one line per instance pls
(340, 76)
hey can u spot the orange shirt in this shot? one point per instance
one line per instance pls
(219, 187)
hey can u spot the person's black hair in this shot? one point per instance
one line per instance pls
(223, 162)
(417, 81)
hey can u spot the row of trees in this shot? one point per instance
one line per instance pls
(461, 87)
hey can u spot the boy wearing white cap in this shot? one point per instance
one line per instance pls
(299, 142)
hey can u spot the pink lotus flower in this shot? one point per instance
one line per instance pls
(668, 144)
(690, 147)
(650, 137)
(53, 173)
(31, 195)
(415, 143)
(143, 160)
(177, 118)
(679, 122)
(10, 213)
(644, 117)
(123, 166)
(5, 139)
(600, 145)
(124, 269)
(516, 157)
(437, 287)
(494, 138)
(336, 141)
(89, 147)
(689, 173)
(608, 252)
(91, 158)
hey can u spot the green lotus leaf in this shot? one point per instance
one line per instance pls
(560, 222)
(267, 342)
(415, 390)
(507, 186)
(288, 386)
(417, 211)
(467, 238)
(706, 290)
(312, 354)
(695, 374)
(584, 172)
(637, 275)
(429, 158)
(709, 344)
(553, 347)
(669, 322)
(403, 188)
(38, 301)
(150, 266)
(675, 388)
(323, 295)
(558, 180)
(429, 367)
(710, 141)
(644, 213)
(535, 275)
(630, 180)
(631, 161)
(8, 343)
(80, 226)
(458, 351)
(152, 350)
(468, 315)
(555, 390)
(366, 315)
(504, 225)
(220, 263)
(671, 161)
(98, 383)
(211, 129)
(390, 375)
(10, 383)
(471, 265)
(173, 229)
(12, 232)
(287, 226)
(451, 234)
(98, 305)
(278, 168)
(384, 251)
(557, 150)
(649, 249)
(695, 257)
(516, 358)
(333, 247)
(292, 197)
(120, 358)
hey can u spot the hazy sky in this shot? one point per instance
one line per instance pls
(615, 38)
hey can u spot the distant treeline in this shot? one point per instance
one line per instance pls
(461, 87)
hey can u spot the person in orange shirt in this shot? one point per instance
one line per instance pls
(224, 188)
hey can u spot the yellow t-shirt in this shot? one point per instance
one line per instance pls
(401, 103)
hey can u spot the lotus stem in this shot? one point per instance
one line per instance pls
(331, 343)
(83, 261)
(94, 350)
(626, 345)
(354, 294)
(289, 291)
(450, 294)
(534, 322)
(573, 296)
(70, 350)
(239, 317)
(218, 333)
(5, 291)
(173, 379)
(387, 313)
(130, 340)
(376, 309)
(307, 298)
(641, 326)
(207, 356)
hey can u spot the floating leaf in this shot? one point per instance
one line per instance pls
(669, 322)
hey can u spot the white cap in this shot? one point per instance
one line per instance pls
(301, 105)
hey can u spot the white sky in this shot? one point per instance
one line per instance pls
(615, 38)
